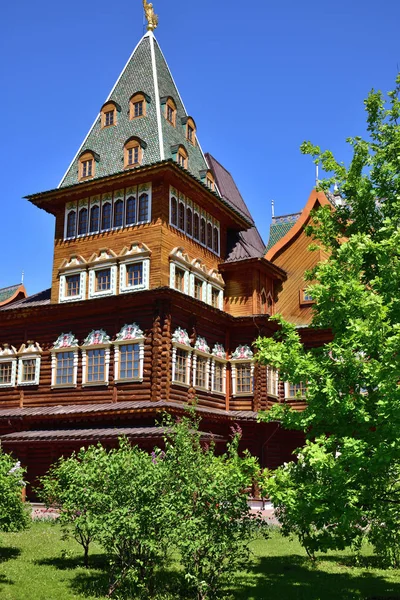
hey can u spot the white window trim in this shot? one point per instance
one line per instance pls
(275, 375)
(9, 355)
(68, 209)
(63, 286)
(118, 195)
(196, 354)
(195, 275)
(54, 352)
(184, 268)
(82, 204)
(287, 392)
(188, 350)
(222, 362)
(123, 287)
(95, 201)
(29, 351)
(144, 189)
(220, 291)
(117, 346)
(92, 280)
(234, 363)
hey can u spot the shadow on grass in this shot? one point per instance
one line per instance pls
(296, 578)
(96, 561)
(9, 553)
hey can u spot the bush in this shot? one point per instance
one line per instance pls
(14, 515)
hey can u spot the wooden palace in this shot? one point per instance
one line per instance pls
(160, 285)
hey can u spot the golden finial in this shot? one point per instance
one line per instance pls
(152, 19)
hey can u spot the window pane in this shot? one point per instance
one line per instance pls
(83, 221)
(196, 227)
(131, 211)
(179, 279)
(174, 212)
(106, 216)
(201, 372)
(95, 365)
(65, 368)
(5, 373)
(129, 361)
(243, 378)
(28, 369)
(181, 366)
(103, 280)
(118, 213)
(218, 377)
(71, 224)
(181, 216)
(202, 231)
(189, 225)
(209, 235)
(72, 287)
(198, 289)
(94, 219)
(143, 208)
(134, 275)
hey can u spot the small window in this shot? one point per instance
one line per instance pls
(182, 157)
(210, 183)
(86, 166)
(198, 289)
(201, 372)
(94, 219)
(181, 216)
(134, 275)
(306, 298)
(6, 373)
(179, 279)
(131, 210)
(209, 236)
(174, 212)
(143, 215)
(191, 131)
(95, 365)
(106, 216)
(29, 364)
(108, 115)
(215, 297)
(71, 224)
(196, 227)
(119, 213)
(216, 240)
(83, 221)
(170, 111)
(244, 378)
(181, 366)
(72, 285)
(137, 106)
(129, 362)
(133, 154)
(103, 280)
(295, 391)
(203, 231)
(189, 221)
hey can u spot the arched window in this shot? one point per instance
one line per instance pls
(86, 165)
(203, 231)
(181, 216)
(170, 111)
(189, 221)
(216, 240)
(209, 236)
(131, 210)
(94, 219)
(119, 213)
(143, 208)
(83, 221)
(109, 114)
(137, 106)
(71, 224)
(182, 157)
(106, 216)
(196, 226)
(174, 212)
(133, 153)
(191, 131)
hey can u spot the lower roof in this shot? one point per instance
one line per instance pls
(95, 435)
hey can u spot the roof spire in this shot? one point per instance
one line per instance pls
(152, 18)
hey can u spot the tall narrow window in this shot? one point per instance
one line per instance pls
(96, 358)
(201, 372)
(106, 216)
(181, 366)
(137, 106)
(189, 221)
(95, 365)
(196, 227)
(71, 224)
(179, 279)
(216, 240)
(131, 210)
(202, 231)
(109, 118)
(143, 208)
(119, 213)
(174, 212)
(198, 289)
(83, 221)
(94, 219)
(170, 111)
(272, 381)
(181, 216)
(209, 236)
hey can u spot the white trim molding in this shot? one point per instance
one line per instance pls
(129, 334)
(242, 357)
(202, 352)
(104, 260)
(138, 253)
(8, 354)
(181, 341)
(31, 352)
(65, 343)
(96, 340)
(76, 265)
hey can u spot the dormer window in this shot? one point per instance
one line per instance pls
(108, 114)
(182, 158)
(87, 164)
(190, 130)
(133, 152)
(208, 179)
(138, 106)
(170, 110)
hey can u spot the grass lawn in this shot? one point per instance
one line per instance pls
(38, 565)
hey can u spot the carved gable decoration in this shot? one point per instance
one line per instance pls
(180, 336)
(97, 337)
(104, 255)
(7, 351)
(199, 266)
(30, 348)
(180, 255)
(136, 249)
(65, 340)
(74, 262)
(242, 352)
(129, 332)
(213, 274)
(202, 345)
(218, 351)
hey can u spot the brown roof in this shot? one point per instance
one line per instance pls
(117, 407)
(49, 435)
(38, 299)
(227, 187)
(245, 244)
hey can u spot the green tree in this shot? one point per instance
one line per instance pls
(212, 524)
(14, 514)
(346, 482)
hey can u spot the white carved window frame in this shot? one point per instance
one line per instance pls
(118, 195)
(138, 254)
(29, 351)
(54, 353)
(94, 201)
(173, 194)
(213, 286)
(223, 363)
(63, 286)
(9, 355)
(145, 188)
(196, 354)
(107, 349)
(117, 349)
(272, 382)
(183, 265)
(81, 205)
(70, 207)
(110, 263)
(301, 387)
(188, 349)
(234, 364)
(106, 199)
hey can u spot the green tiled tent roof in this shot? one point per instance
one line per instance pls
(7, 292)
(280, 227)
(145, 71)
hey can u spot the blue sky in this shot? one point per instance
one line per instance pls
(259, 78)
